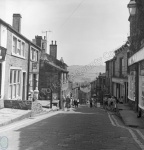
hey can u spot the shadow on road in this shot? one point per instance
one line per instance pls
(49, 133)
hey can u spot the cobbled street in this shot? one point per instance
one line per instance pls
(78, 129)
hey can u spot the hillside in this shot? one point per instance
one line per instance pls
(85, 73)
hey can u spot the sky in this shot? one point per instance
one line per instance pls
(85, 30)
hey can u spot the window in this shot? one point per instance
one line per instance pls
(15, 84)
(14, 45)
(22, 49)
(122, 67)
(18, 47)
(34, 54)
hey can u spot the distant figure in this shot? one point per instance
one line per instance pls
(91, 101)
(75, 103)
(121, 100)
(67, 103)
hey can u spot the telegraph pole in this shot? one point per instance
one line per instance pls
(46, 32)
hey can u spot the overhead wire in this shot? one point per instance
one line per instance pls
(78, 6)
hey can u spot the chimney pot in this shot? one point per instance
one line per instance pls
(17, 22)
(53, 50)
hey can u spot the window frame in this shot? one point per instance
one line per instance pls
(19, 52)
(15, 83)
(34, 54)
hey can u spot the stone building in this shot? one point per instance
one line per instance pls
(109, 74)
(93, 87)
(53, 74)
(14, 61)
(136, 55)
(119, 75)
(101, 87)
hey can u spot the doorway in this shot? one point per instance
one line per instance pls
(24, 86)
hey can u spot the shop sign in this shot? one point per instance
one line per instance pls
(136, 57)
(34, 65)
(64, 86)
(120, 81)
(2, 53)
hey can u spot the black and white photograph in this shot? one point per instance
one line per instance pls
(71, 74)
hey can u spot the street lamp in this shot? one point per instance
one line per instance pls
(132, 7)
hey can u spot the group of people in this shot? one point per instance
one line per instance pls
(93, 101)
(110, 102)
(70, 102)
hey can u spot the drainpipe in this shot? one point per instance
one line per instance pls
(28, 71)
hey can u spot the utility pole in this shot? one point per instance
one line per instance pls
(46, 32)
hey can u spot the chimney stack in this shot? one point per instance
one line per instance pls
(17, 22)
(53, 50)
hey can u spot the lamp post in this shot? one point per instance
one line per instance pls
(132, 6)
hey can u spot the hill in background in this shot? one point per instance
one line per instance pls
(85, 73)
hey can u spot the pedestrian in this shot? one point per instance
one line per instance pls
(77, 102)
(71, 102)
(91, 101)
(121, 100)
(68, 103)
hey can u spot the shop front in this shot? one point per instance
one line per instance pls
(141, 85)
(136, 80)
(120, 88)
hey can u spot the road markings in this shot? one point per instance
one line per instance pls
(136, 139)
(114, 122)
(140, 134)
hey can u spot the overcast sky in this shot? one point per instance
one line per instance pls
(85, 30)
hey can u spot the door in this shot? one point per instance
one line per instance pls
(24, 86)
(0, 77)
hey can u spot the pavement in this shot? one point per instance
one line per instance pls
(9, 115)
(129, 116)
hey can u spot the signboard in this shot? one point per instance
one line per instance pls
(136, 57)
(2, 53)
(34, 65)
(131, 86)
(141, 92)
(54, 96)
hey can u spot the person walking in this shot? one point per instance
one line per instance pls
(77, 102)
(91, 101)
(68, 103)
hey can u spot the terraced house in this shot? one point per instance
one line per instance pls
(19, 59)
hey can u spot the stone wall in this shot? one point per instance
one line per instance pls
(18, 104)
